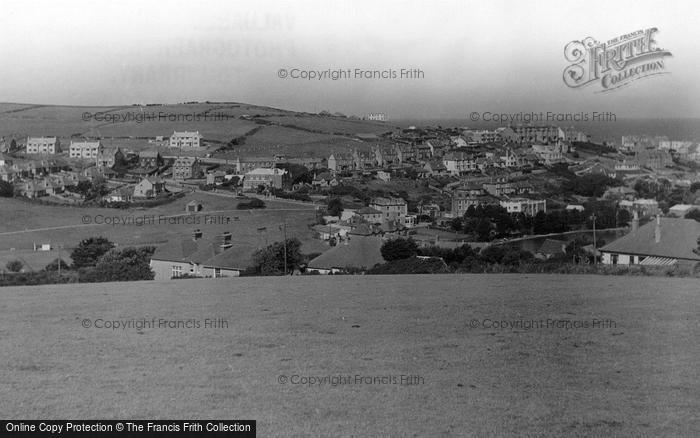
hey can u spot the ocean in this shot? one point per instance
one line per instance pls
(674, 129)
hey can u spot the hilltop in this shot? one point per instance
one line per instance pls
(265, 129)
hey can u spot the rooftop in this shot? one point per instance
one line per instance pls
(678, 240)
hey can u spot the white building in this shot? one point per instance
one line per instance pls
(529, 207)
(84, 149)
(43, 145)
(185, 140)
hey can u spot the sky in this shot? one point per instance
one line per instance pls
(485, 56)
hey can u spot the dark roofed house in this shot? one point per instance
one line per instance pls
(197, 256)
(357, 252)
(661, 242)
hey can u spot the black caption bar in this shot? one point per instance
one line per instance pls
(122, 428)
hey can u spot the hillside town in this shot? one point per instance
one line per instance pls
(440, 187)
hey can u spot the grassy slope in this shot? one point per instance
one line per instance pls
(17, 215)
(638, 379)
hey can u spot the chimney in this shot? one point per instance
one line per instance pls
(635, 222)
(657, 230)
(197, 234)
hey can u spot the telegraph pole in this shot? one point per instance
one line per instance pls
(595, 247)
(284, 228)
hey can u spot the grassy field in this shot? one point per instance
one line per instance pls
(636, 378)
(66, 226)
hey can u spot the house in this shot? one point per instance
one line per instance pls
(193, 206)
(248, 164)
(200, 256)
(185, 140)
(216, 178)
(5, 160)
(84, 149)
(31, 189)
(361, 250)
(369, 215)
(108, 157)
(392, 209)
(325, 232)
(324, 180)
(383, 176)
(459, 162)
(661, 242)
(265, 177)
(435, 168)
(43, 145)
(122, 194)
(149, 187)
(551, 248)
(680, 210)
(186, 167)
(150, 159)
(549, 154)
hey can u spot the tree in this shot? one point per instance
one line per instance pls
(693, 214)
(14, 265)
(89, 251)
(335, 207)
(397, 249)
(7, 190)
(128, 264)
(53, 266)
(271, 259)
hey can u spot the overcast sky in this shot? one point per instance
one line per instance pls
(501, 56)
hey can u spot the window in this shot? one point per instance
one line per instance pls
(217, 272)
(176, 271)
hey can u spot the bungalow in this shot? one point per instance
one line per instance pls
(361, 250)
(661, 242)
(149, 187)
(198, 256)
(122, 194)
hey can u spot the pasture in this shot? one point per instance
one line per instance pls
(635, 374)
(24, 223)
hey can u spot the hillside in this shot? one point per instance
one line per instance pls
(219, 123)
(636, 378)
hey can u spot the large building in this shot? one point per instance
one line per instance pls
(84, 149)
(186, 167)
(43, 145)
(458, 162)
(391, 209)
(661, 242)
(265, 177)
(185, 140)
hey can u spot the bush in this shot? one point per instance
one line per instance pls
(14, 265)
(251, 205)
(411, 265)
(89, 251)
(397, 249)
(128, 264)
